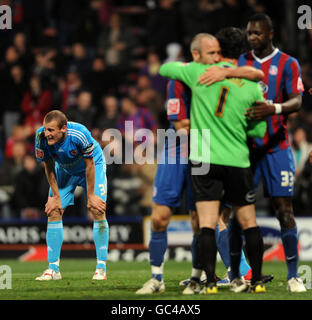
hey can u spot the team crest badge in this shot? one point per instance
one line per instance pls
(273, 70)
(173, 106)
(73, 152)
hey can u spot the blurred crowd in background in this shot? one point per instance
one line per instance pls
(98, 61)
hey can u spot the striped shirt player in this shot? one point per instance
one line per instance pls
(72, 157)
(172, 178)
(282, 78)
(173, 171)
(272, 159)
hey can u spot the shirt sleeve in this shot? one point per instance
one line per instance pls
(41, 150)
(178, 71)
(292, 77)
(84, 142)
(176, 101)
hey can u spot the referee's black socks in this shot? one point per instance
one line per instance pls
(254, 250)
(208, 252)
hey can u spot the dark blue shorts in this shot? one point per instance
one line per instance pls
(170, 182)
(277, 171)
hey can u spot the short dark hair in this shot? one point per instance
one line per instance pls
(232, 42)
(263, 18)
(57, 115)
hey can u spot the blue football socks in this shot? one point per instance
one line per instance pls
(290, 244)
(157, 248)
(101, 238)
(244, 267)
(196, 265)
(223, 246)
(54, 238)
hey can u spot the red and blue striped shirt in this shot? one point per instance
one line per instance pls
(178, 103)
(178, 100)
(282, 77)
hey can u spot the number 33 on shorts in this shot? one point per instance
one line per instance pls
(287, 178)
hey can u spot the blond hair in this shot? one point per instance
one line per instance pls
(57, 115)
(196, 42)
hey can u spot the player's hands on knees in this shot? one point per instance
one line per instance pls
(260, 110)
(212, 75)
(95, 202)
(53, 203)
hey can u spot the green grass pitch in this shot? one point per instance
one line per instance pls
(124, 278)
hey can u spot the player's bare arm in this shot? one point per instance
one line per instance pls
(182, 124)
(214, 74)
(264, 109)
(54, 202)
(94, 201)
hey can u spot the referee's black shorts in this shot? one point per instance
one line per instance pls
(233, 185)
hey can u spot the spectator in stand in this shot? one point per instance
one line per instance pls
(13, 92)
(198, 17)
(68, 16)
(12, 166)
(80, 60)
(101, 80)
(45, 67)
(105, 9)
(163, 27)
(21, 134)
(115, 43)
(108, 114)
(26, 57)
(36, 103)
(87, 31)
(306, 71)
(174, 52)
(11, 57)
(30, 189)
(152, 100)
(84, 111)
(151, 68)
(70, 89)
(301, 149)
(140, 117)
